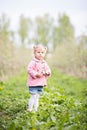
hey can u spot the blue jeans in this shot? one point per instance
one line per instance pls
(35, 89)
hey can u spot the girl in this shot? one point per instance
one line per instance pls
(38, 71)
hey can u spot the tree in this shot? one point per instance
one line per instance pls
(64, 31)
(43, 29)
(83, 41)
(4, 27)
(24, 26)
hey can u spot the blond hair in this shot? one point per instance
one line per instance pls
(39, 47)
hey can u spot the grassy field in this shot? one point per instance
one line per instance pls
(63, 104)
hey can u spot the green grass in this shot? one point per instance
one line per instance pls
(63, 104)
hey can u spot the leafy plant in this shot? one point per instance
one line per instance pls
(62, 105)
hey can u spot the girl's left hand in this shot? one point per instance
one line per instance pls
(46, 73)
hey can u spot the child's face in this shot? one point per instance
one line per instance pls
(40, 53)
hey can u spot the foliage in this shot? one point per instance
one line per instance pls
(6, 55)
(71, 59)
(24, 28)
(12, 59)
(64, 31)
(63, 104)
(5, 31)
(43, 29)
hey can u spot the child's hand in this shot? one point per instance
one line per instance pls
(39, 75)
(46, 73)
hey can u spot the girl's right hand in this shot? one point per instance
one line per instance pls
(39, 75)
